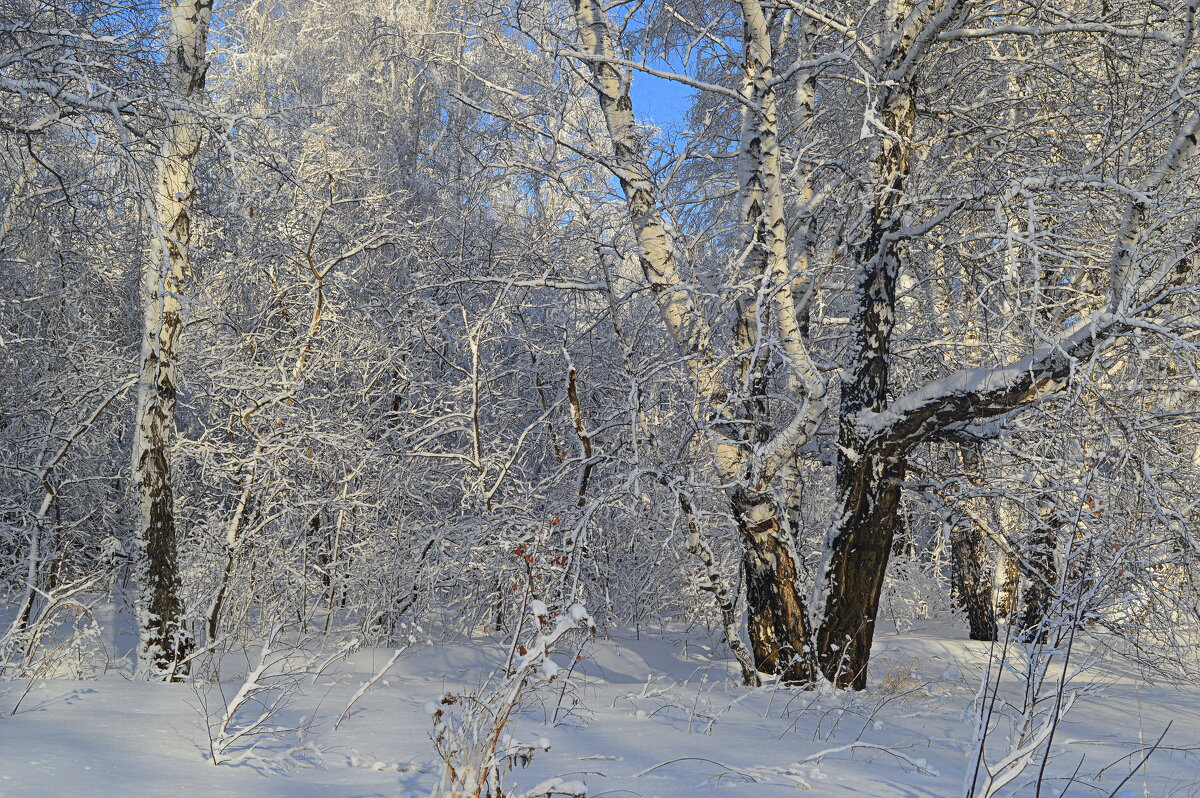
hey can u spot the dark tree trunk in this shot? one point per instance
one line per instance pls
(778, 623)
(970, 578)
(868, 515)
(868, 479)
(868, 473)
(1038, 586)
(167, 641)
(218, 602)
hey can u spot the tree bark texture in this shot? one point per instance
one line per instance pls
(971, 575)
(166, 642)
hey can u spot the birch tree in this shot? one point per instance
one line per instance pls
(880, 420)
(166, 640)
(76, 91)
(477, 326)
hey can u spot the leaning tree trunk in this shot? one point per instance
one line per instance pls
(856, 561)
(166, 642)
(868, 477)
(726, 601)
(868, 471)
(778, 627)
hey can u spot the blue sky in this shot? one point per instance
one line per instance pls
(658, 100)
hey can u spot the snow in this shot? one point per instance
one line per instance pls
(983, 380)
(649, 715)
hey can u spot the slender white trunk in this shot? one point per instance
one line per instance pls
(165, 640)
(777, 624)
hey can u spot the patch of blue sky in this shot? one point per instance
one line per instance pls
(660, 101)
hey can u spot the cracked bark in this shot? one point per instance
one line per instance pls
(166, 641)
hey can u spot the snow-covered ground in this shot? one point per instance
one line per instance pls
(655, 714)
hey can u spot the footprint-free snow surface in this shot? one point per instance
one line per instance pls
(656, 714)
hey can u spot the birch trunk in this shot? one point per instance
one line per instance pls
(777, 618)
(1008, 576)
(726, 601)
(165, 641)
(778, 626)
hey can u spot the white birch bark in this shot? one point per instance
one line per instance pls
(165, 641)
(687, 326)
(765, 215)
(747, 464)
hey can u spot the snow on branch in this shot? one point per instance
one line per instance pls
(973, 394)
(476, 749)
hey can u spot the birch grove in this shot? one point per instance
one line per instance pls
(372, 314)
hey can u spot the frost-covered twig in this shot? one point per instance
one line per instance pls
(367, 685)
(474, 745)
(249, 723)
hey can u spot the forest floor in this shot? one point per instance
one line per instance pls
(649, 714)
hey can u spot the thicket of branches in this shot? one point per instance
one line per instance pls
(902, 308)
